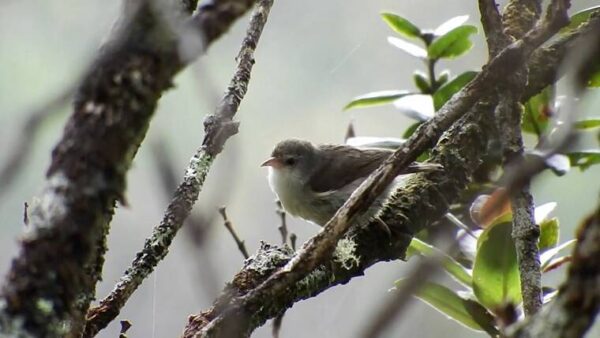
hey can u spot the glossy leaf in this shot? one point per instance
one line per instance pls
(376, 98)
(444, 94)
(401, 26)
(542, 212)
(585, 158)
(588, 124)
(579, 18)
(452, 44)
(408, 47)
(418, 106)
(594, 80)
(452, 267)
(495, 271)
(463, 310)
(422, 82)
(549, 296)
(556, 263)
(450, 25)
(443, 78)
(549, 231)
(547, 256)
(559, 164)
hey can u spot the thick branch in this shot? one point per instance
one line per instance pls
(544, 64)
(52, 280)
(491, 21)
(218, 128)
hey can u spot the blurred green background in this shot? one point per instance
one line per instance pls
(314, 57)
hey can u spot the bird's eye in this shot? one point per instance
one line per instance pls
(290, 161)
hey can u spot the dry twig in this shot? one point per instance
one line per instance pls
(227, 223)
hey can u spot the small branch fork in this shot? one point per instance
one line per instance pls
(240, 243)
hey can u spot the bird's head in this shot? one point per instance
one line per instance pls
(294, 158)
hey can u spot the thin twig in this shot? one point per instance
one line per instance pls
(293, 239)
(240, 243)
(196, 227)
(25, 213)
(283, 227)
(218, 128)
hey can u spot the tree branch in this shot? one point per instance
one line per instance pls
(61, 255)
(576, 306)
(518, 17)
(240, 314)
(218, 128)
(423, 200)
(240, 243)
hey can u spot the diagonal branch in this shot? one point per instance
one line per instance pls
(61, 256)
(218, 127)
(319, 248)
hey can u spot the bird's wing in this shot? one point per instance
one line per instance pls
(338, 171)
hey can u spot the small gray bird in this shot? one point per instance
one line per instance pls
(313, 181)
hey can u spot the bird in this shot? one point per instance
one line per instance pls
(313, 181)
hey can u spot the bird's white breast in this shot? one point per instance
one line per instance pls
(300, 201)
(297, 198)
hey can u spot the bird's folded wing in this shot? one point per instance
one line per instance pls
(337, 171)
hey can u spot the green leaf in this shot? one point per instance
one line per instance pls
(588, 124)
(547, 256)
(417, 106)
(444, 94)
(495, 271)
(465, 311)
(443, 78)
(408, 47)
(585, 158)
(450, 24)
(579, 18)
(376, 98)
(452, 267)
(411, 129)
(537, 112)
(548, 234)
(421, 82)
(452, 44)
(594, 80)
(559, 164)
(401, 26)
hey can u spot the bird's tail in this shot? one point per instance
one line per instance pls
(417, 167)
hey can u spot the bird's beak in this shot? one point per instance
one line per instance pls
(272, 162)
